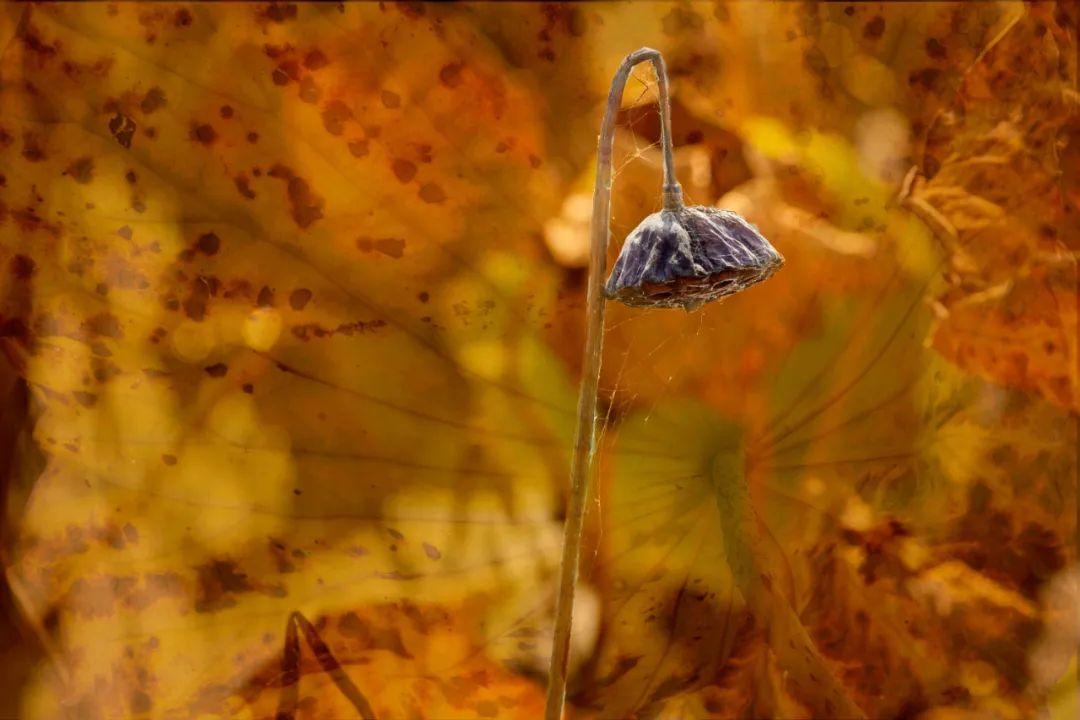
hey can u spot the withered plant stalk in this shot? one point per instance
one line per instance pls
(585, 433)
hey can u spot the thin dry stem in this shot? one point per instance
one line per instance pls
(585, 434)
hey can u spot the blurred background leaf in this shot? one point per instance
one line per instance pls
(291, 322)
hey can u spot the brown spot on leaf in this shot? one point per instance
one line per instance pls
(81, 170)
(358, 148)
(105, 370)
(292, 69)
(275, 51)
(84, 398)
(306, 205)
(299, 298)
(32, 150)
(280, 557)
(218, 580)
(412, 9)
(100, 349)
(334, 117)
(927, 77)
(875, 28)
(168, 459)
(432, 193)
(265, 297)
(390, 99)
(35, 44)
(29, 221)
(450, 74)
(226, 112)
(391, 247)
(141, 702)
(22, 267)
(208, 243)
(203, 133)
(216, 370)
(122, 128)
(98, 595)
(153, 100)
(315, 60)
(16, 329)
(431, 551)
(404, 170)
(279, 12)
(280, 76)
(935, 49)
(195, 304)
(182, 18)
(103, 325)
(308, 331)
(243, 186)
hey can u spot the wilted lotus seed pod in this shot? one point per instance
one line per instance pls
(679, 257)
(687, 256)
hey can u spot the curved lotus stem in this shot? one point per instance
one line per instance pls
(585, 434)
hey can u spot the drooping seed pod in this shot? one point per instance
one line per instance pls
(688, 256)
(680, 257)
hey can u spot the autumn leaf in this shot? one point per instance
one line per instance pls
(237, 416)
(291, 318)
(1017, 326)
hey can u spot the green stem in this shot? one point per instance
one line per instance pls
(585, 434)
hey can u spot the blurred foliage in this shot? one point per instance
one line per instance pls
(291, 311)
